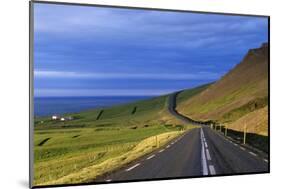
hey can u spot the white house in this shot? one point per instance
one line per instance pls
(55, 117)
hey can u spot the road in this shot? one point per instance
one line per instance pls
(199, 152)
(172, 109)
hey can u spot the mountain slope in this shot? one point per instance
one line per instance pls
(242, 90)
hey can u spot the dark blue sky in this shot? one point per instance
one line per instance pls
(94, 51)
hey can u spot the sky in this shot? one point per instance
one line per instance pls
(98, 51)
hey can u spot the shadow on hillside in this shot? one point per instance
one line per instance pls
(252, 139)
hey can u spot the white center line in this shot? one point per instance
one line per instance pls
(203, 136)
(212, 170)
(235, 144)
(150, 157)
(208, 155)
(252, 153)
(161, 150)
(129, 169)
(203, 156)
(206, 145)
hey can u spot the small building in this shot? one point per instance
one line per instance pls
(55, 117)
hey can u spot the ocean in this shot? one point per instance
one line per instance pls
(47, 106)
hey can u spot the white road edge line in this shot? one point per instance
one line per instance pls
(152, 156)
(212, 169)
(168, 146)
(203, 156)
(265, 160)
(108, 180)
(252, 153)
(129, 169)
(161, 150)
(206, 145)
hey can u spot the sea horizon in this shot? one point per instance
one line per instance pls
(59, 105)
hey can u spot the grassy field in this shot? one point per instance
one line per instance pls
(70, 150)
(100, 140)
(137, 114)
(66, 155)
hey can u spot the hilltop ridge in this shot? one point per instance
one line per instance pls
(242, 90)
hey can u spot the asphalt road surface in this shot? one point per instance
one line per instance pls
(199, 152)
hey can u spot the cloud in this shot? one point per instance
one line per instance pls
(151, 76)
(94, 47)
(159, 28)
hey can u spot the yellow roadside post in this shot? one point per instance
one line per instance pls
(245, 131)
(158, 143)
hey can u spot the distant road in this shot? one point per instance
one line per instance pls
(172, 109)
(200, 152)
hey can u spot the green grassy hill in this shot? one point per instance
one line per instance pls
(137, 114)
(188, 93)
(241, 91)
(98, 141)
